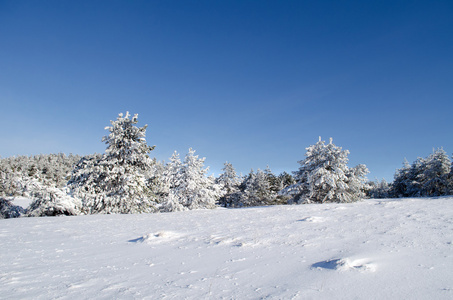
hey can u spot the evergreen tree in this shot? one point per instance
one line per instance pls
(434, 177)
(429, 176)
(285, 180)
(229, 185)
(51, 170)
(189, 188)
(398, 188)
(378, 189)
(414, 185)
(325, 177)
(51, 201)
(257, 190)
(357, 185)
(170, 184)
(116, 182)
(450, 180)
(274, 183)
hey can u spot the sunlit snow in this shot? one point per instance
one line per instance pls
(374, 249)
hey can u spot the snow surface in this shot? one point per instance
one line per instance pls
(375, 249)
(22, 201)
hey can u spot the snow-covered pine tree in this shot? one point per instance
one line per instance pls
(229, 184)
(325, 177)
(51, 201)
(357, 182)
(434, 177)
(51, 170)
(171, 203)
(379, 189)
(258, 190)
(450, 180)
(414, 185)
(156, 179)
(115, 182)
(274, 183)
(398, 188)
(285, 179)
(196, 191)
(189, 188)
(171, 180)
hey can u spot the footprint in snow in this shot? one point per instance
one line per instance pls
(157, 237)
(345, 264)
(313, 219)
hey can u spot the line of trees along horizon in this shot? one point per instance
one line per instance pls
(125, 179)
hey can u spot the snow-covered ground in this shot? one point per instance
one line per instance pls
(375, 249)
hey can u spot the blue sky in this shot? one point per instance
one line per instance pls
(249, 82)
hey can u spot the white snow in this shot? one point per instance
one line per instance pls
(22, 201)
(375, 249)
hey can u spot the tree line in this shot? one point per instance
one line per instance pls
(125, 179)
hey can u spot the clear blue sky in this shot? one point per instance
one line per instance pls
(249, 82)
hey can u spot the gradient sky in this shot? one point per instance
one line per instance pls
(249, 82)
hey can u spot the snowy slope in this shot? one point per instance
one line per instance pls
(375, 249)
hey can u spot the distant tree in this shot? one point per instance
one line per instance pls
(274, 182)
(257, 190)
(51, 170)
(434, 176)
(325, 177)
(398, 187)
(171, 181)
(414, 184)
(229, 183)
(450, 180)
(189, 187)
(51, 201)
(116, 181)
(430, 176)
(378, 189)
(357, 182)
(285, 179)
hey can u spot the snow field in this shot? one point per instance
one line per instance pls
(375, 249)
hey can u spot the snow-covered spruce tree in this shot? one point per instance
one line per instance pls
(170, 182)
(325, 177)
(51, 170)
(257, 190)
(378, 189)
(189, 185)
(450, 180)
(285, 180)
(229, 184)
(357, 181)
(274, 183)
(434, 177)
(156, 179)
(115, 182)
(413, 188)
(51, 201)
(398, 188)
